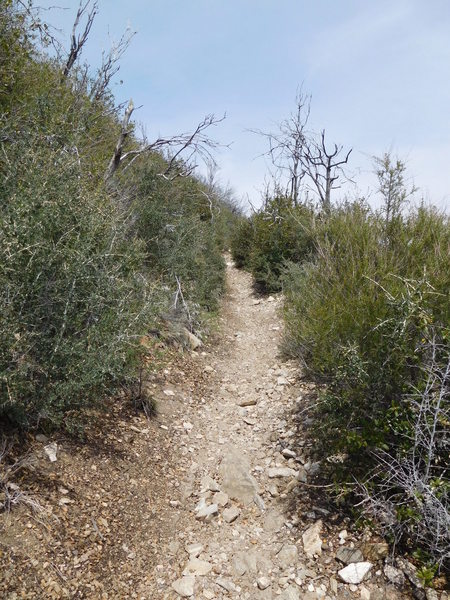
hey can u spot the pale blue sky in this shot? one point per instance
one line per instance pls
(378, 72)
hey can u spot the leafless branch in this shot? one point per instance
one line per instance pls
(78, 40)
(180, 149)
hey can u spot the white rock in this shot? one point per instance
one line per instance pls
(51, 450)
(231, 514)
(263, 583)
(276, 472)
(207, 513)
(282, 381)
(194, 549)
(355, 572)
(197, 567)
(169, 392)
(184, 586)
(208, 594)
(394, 575)
(312, 542)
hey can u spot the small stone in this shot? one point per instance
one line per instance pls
(302, 475)
(208, 369)
(259, 502)
(279, 472)
(208, 594)
(273, 490)
(51, 450)
(231, 514)
(169, 392)
(197, 567)
(263, 583)
(312, 542)
(288, 453)
(184, 586)
(207, 513)
(349, 555)
(208, 484)
(194, 549)
(249, 421)
(247, 402)
(282, 381)
(355, 572)
(221, 499)
(394, 575)
(226, 584)
(40, 437)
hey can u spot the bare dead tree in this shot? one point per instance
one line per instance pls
(299, 155)
(180, 149)
(78, 40)
(286, 147)
(324, 167)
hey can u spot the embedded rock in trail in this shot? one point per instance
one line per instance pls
(236, 479)
(312, 542)
(290, 593)
(184, 586)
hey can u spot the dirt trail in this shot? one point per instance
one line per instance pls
(243, 507)
(209, 500)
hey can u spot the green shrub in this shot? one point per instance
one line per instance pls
(280, 232)
(72, 298)
(358, 315)
(241, 243)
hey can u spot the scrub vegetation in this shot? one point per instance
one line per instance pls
(366, 312)
(102, 234)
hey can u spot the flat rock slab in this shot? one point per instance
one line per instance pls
(278, 472)
(236, 479)
(355, 572)
(349, 555)
(197, 567)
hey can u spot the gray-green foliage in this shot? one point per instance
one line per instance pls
(280, 232)
(85, 269)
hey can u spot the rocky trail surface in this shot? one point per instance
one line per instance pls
(247, 524)
(215, 498)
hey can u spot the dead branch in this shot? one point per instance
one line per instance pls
(110, 65)
(195, 143)
(79, 40)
